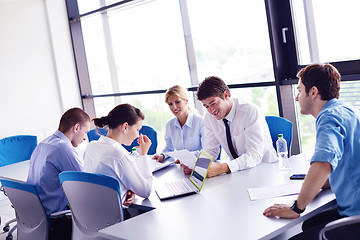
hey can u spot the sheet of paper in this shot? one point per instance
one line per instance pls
(185, 157)
(274, 191)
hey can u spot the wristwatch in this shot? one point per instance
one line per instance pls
(295, 208)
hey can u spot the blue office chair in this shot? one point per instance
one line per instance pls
(94, 200)
(12, 150)
(32, 222)
(151, 133)
(279, 125)
(95, 134)
(16, 149)
(145, 130)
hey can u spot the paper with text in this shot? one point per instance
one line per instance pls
(275, 191)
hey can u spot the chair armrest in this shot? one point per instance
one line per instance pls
(338, 223)
(60, 214)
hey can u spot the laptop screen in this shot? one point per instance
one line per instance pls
(200, 169)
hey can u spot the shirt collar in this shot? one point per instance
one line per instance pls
(62, 136)
(188, 122)
(329, 104)
(232, 112)
(107, 140)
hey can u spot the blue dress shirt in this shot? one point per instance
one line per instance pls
(52, 156)
(190, 136)
(338, 143)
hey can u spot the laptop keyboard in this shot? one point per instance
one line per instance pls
(178, 187)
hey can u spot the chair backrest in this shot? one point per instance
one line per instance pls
(94, 134)
(145, 130)
(279, 125)
(16, 149)
(151, 133)
(32, 222)
(94, 200)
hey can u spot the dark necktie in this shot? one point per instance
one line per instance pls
(228, 138)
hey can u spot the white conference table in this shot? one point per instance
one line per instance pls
(17, 171)
(222, 210)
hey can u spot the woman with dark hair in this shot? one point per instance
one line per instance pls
(107, 155)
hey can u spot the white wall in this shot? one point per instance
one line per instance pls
(38, 79)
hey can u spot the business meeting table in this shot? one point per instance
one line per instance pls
(222, 210)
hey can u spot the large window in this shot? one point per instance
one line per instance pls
(231, 41)
(133, 50)
(152, 45)
(326, 30)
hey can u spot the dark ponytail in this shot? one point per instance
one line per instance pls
(120, 114)
(101, 122)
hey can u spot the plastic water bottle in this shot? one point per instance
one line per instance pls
(282, 152)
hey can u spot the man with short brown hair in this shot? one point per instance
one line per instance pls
(54, 155)
(336, 160)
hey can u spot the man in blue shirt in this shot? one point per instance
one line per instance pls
(336, 160)
(54, 155)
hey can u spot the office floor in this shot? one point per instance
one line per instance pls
(7, 213)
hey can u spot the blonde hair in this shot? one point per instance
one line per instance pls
(178, 91)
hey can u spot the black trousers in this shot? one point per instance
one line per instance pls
(60, 228)
(312, 227)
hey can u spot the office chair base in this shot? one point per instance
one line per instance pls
(9, 237)
(6, 228)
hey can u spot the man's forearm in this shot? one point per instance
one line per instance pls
(217, 169)
(316, 178)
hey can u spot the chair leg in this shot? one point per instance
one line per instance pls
(10, 233)
(6, 228)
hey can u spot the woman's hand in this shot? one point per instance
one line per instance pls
(129, 198)
(144, 143)
(158, 158)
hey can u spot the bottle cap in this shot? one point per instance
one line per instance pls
(280, 135)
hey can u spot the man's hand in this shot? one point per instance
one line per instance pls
(186, 169)
(280, 210)
(217, 169)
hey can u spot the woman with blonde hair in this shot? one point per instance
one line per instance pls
(186, 130)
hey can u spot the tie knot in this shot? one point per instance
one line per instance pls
(225, 120)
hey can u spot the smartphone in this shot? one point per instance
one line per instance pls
(297, 176)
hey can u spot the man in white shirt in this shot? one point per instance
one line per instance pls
(249, 133)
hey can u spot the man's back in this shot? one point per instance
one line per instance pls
(52, 156)
(338, 140)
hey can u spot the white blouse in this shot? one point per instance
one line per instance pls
(107, 156)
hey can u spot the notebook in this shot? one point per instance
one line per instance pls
(155, 165)
(190, 185)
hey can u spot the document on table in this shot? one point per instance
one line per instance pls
(185, 157)
(275, 191)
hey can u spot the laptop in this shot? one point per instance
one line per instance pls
(190, 185)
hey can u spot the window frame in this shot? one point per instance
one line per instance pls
(282, 44)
